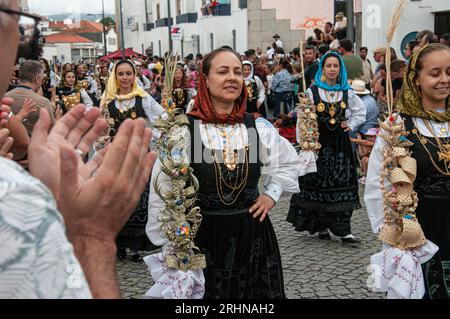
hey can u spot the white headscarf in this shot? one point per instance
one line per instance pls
(250, 77)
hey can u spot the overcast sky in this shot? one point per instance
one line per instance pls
(47, 7)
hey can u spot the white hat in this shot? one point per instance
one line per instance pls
(359, 87)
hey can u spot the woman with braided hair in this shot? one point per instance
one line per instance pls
(424, 107)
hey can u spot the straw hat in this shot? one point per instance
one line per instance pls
(340, 15)
(359, 87)
(276, 36)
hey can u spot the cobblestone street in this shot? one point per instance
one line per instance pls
(312, 268)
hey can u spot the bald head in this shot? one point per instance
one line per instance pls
(9, 38)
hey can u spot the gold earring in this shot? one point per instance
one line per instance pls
(323, 78)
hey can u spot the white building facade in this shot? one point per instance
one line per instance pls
(146, 26)
(419, 15)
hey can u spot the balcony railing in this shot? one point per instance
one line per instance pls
(242, 4)
(222, 10)
(149, 26)
(187, 18)
(162, 22)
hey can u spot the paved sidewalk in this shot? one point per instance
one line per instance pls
(312, 268)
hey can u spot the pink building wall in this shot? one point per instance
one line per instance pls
(305, 14)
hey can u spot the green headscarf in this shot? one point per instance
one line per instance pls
(410, 102)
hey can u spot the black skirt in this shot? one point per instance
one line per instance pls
(133, 235)
(434, 217)
(328, 197)
(246, 261)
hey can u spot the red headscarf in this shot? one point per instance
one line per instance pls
(204, 110)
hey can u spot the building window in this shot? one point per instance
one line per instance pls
(112, 41)
(441, 23)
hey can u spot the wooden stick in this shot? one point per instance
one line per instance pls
(303, 67)
(393, 25)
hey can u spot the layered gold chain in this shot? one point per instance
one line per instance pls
(238, 187)
(444, 149)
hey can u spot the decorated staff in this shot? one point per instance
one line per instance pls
(180, 218)
(307, 127)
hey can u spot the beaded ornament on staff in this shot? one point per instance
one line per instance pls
(307, 126)
(180, 218)
(401, 229)
(104, 140)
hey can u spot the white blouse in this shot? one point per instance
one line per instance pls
(280, 163)
(86, 99)
(261, 89)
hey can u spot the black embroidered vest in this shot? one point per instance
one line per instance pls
(135, 112)
(205, 171)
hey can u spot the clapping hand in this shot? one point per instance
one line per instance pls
(28, 107)
(6, 143)
(77, 130)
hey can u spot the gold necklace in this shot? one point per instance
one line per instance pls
(332, 111)
(124, 110)
(220, 180)
(230, 157)
(444, 149)
(444, 154)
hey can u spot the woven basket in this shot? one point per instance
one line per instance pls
(398, 176)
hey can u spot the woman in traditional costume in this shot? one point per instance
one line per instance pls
(102, 79)
(255, 90)
(182, 92)
(424, 110)
(70, 94)
(229, 150)
(124, 99)
(328, 197)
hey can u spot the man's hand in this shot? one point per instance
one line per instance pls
(76, 129)
(262, 207)
(27, 107)
(16, 130)
(6, 143)
(97, 200)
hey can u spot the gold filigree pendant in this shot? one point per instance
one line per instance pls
(320, 107)
(230, 159)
